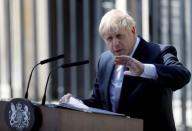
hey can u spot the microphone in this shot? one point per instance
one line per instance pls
(41, 62)
(75, 64)
(61, 66)
(51, 59)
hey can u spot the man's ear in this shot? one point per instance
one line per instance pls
(133, 30)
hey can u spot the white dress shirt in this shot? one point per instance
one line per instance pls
(117, 78)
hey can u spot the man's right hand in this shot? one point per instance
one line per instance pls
(65, 98)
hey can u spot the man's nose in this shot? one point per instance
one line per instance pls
(115, 42)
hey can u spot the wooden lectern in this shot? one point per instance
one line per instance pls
(60, 119)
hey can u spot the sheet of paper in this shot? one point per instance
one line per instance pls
(77, 103)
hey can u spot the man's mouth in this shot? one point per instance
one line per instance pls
(118, 51)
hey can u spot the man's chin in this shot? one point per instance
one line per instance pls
(118, 54)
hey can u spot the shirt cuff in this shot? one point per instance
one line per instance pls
(149, 72)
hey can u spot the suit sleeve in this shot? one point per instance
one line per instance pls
(94, 100)
(171, 73)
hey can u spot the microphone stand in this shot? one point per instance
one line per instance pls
(26, 94)
(42, 62)
(44, 96)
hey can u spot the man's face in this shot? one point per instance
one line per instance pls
(120, 42)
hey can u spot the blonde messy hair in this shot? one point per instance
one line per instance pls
(115, 20)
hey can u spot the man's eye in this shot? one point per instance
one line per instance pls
(119, 36)
(109, 39)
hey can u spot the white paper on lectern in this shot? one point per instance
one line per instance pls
(77, 103)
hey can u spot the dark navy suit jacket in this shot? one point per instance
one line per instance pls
(147, 99)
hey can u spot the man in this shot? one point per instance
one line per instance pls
(135, 77)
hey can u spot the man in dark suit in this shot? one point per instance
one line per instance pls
(135, 77)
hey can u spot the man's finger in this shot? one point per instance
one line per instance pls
(129, 73)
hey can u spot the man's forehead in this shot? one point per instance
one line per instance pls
(120, 31)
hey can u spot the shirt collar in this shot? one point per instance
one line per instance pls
(135, 46)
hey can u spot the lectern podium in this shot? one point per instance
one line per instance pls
(59, 119)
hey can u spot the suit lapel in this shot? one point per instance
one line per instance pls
(138, 54)
(109, 69)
